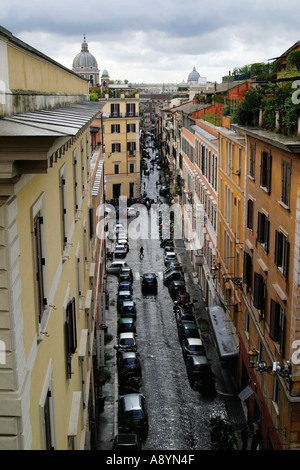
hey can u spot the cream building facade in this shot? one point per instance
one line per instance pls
(121, 124)
(47, 317)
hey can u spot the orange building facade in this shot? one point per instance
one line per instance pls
(269, 320)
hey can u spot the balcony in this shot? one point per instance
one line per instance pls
(115, 115)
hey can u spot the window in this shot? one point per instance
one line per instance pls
(39, 265)
(70, 334)
(130, 109)
(265, 171)
(276, 391)
(252, 161)
(115, 109)
(250, 214)
(131, 190)
(263, 225)
(131, 128)
(277, 324)
(282, 248)
(247, 270)
(131, 167)
(286, 177)
(47, 412)
(116, 168)
(75, 179)
(63, 207)
(259, 297)
(116, 148)
(82, 167)
(115, 128)
(131, 147)
(238, 218)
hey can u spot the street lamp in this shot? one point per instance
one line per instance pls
(284, 370)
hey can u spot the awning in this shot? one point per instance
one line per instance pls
(226, 341)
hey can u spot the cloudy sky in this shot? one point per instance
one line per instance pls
(157, 40)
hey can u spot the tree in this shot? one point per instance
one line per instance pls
(293, 60)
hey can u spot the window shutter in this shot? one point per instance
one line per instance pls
(267, 230)
(269, 172)
(278, 248)
(282, 334)
(262, 169)
(286, 248)
(250, 214)
(274, 320)
(247, 270)
(259, 291)
(260, 227)
(91, 222)
(71, 333)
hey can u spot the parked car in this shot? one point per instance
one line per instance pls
(174, 266)
(183, 298)
(124, 243)
(173, 276)
(183, 317)
(149, 283)
(169, 256)
(123, 295)
(122, 236)
(127, 342)
(129, 364)
(199, 373)
(132, 414)
(168, 249)
(188, 330)
(192, 347)
(166, 241)
(120, 251)
(126, 325)
(175, 287)
(127, 442)
(125, 285)
(115, 267)
(128, 309)
(126, 270)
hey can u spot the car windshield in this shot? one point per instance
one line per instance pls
(195, 347)
(130, 361)
(126, 341)
(135, 414)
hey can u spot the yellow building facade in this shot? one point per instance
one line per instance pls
(231, 185)
(121, 122)
(47, 321)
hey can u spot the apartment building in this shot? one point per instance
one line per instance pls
(231, 182)
(269, 320)
(47, 309)
(121, 130)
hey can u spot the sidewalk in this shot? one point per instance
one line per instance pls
(107, 419)
(224, 383)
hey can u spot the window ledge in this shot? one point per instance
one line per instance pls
(280, 292)
(65, 255)
(284, 206)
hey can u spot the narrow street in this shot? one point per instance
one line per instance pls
(178, 415)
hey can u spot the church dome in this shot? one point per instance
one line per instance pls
(194, 76)
(84, 59)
